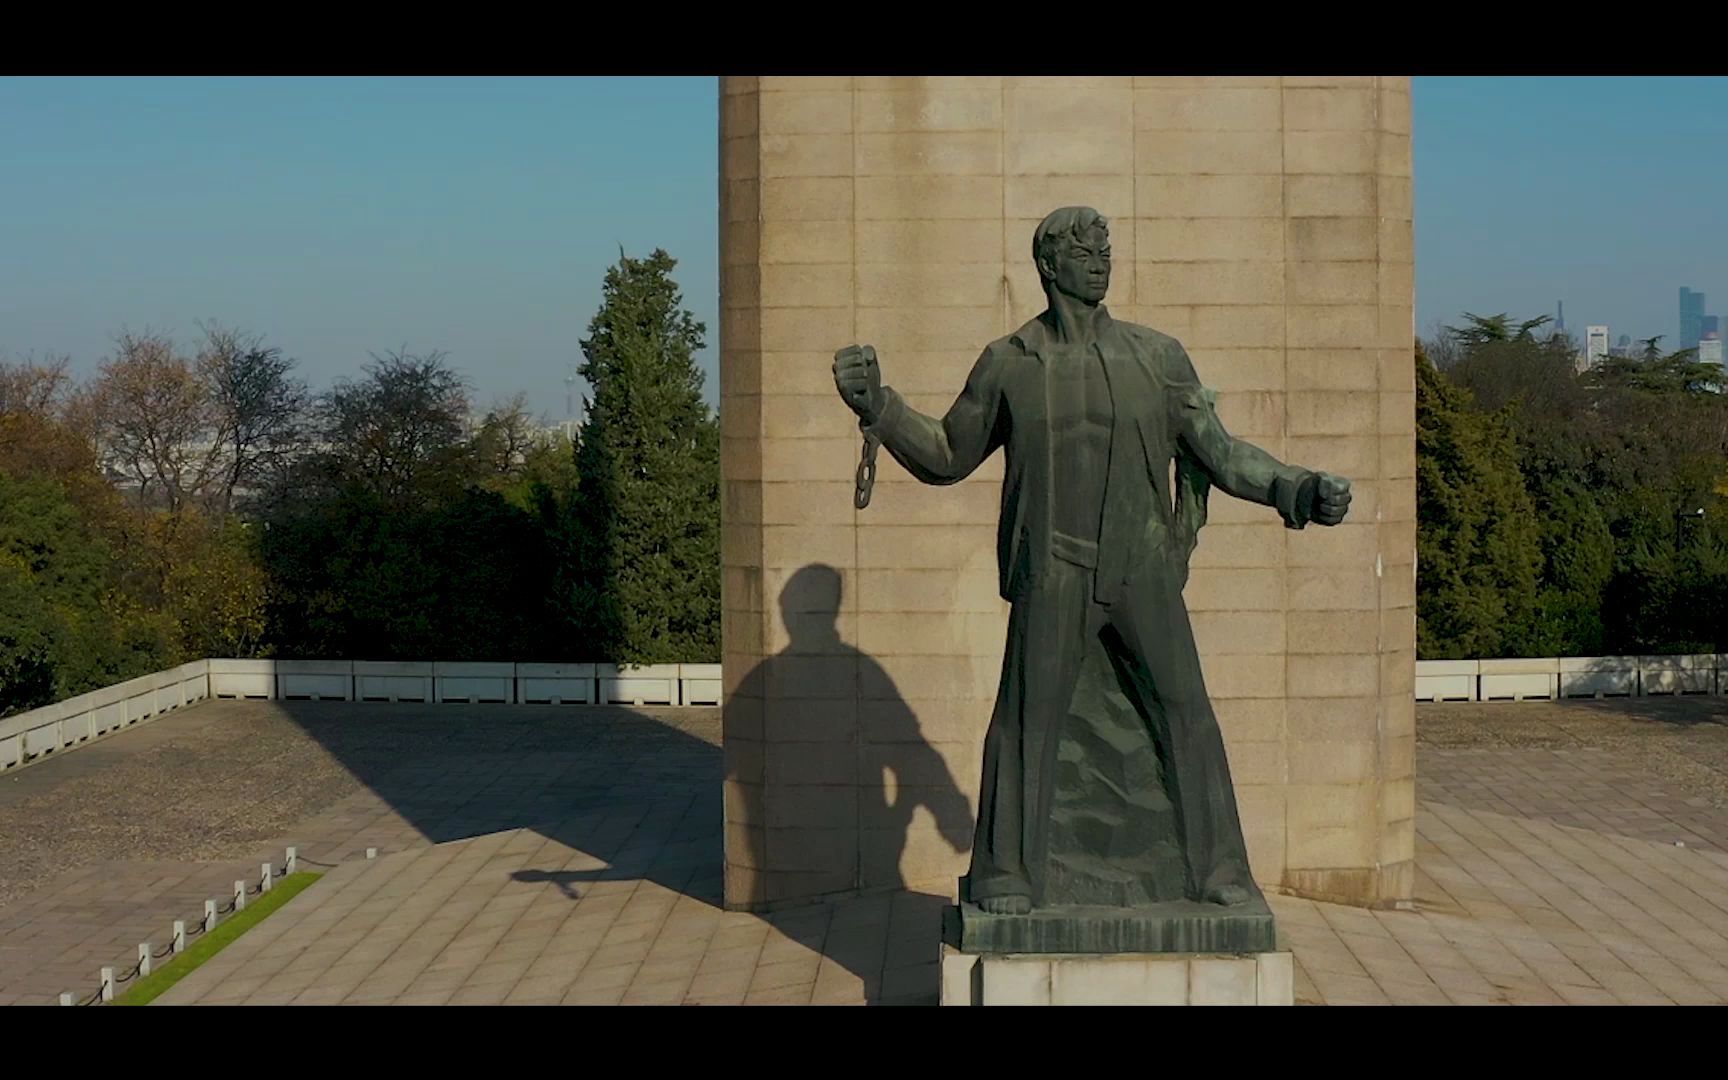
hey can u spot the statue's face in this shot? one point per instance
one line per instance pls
(1082, 266)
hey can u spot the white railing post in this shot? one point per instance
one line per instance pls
(179, 936)
(144, 958)
(239, 897)
(265, 879)
(107, 984)
(209, 915)
(293, 861)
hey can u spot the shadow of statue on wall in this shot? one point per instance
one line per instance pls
(634, 794)
(825, 806)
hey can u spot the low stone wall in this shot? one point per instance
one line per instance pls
(1553, 678)
(76, 721)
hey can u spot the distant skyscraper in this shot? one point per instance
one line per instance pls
(1691, 318)
(1710, 349)
(1622, 347)
(1595, 345)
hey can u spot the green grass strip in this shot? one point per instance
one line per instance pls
(154, 985)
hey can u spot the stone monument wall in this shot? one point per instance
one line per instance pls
(1263, 221)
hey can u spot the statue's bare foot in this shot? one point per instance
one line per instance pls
(1006, 905)
(1227, 895)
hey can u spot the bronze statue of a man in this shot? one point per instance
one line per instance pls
(1093, 548)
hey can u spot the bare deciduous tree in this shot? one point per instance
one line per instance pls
(402, 430)
(36, 388)
(157, 422)
(260, 409)
(192, 431)
(507, 435)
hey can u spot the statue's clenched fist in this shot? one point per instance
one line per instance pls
(1331, 499)
(859, 380)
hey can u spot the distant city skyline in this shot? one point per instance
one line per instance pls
(1507, 222)
(1596, 347)
(341, 217)
(1699, 331)
(1691, 317)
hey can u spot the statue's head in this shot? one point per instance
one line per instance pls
(810, 604)
(1072, 251)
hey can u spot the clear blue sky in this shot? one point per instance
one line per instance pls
(1604, 192)
(340, 217)
(345, 216)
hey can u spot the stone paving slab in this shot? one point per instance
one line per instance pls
(1654, 768)
(1523, 911)
(497, 920)
(106, 845)
(572, 856)
(1511, 911)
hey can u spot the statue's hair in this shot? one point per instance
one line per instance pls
(1060, 226)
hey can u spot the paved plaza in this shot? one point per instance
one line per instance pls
(1567, 853)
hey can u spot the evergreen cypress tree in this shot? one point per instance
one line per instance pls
(647, 585)
(1479, 554)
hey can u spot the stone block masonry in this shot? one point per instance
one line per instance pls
(1263, 221)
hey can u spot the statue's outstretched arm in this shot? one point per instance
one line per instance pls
(1238, 467)
(946, 450)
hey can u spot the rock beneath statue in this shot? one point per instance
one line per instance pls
(1114, 840)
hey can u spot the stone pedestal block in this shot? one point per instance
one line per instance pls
(1267, 978)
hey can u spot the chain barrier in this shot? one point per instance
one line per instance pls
(199, 927)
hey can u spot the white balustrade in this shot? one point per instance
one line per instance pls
(88, 716)
(315, 680)
(555, 684)
(1677, 675)
(699, 684)
(1519, 679)
(647, 684)
(392, 680)
(254, 679)
(78, 720)
(475, 683)
(1446, 680)
(1552, 678)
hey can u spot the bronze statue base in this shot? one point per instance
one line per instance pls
(1181, 926)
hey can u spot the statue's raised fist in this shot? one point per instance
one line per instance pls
(1331, 499)
(859, 379)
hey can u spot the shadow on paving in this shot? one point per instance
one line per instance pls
(638, 792)
(1673, 710)
(1685, 720)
